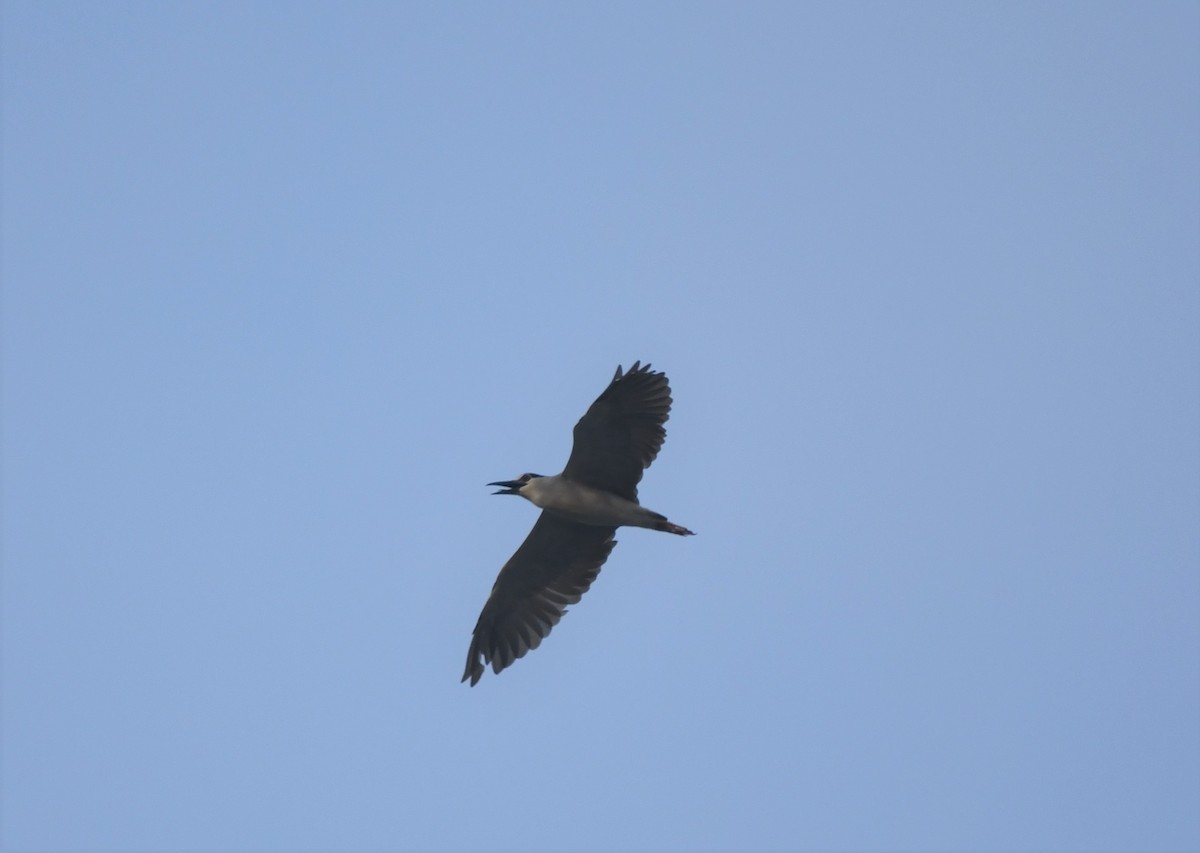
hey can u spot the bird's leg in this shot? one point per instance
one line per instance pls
(670, 527)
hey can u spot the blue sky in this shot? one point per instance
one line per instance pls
(284, 285)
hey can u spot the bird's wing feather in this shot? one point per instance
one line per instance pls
(622, 432)
(553, 568)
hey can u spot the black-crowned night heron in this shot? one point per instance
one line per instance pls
(582, 508)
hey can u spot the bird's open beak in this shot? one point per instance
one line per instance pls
(510, 487)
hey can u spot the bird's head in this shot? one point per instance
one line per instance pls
(513, 487)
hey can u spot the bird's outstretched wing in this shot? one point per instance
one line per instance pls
(553, 568)
(622, 432)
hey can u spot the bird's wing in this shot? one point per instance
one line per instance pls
(622, 432)
(553, 568)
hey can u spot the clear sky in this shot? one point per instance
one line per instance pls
(285, 284)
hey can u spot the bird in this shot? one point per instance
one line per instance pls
(614, 442)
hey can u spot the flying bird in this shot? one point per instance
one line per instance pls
(616, 439)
